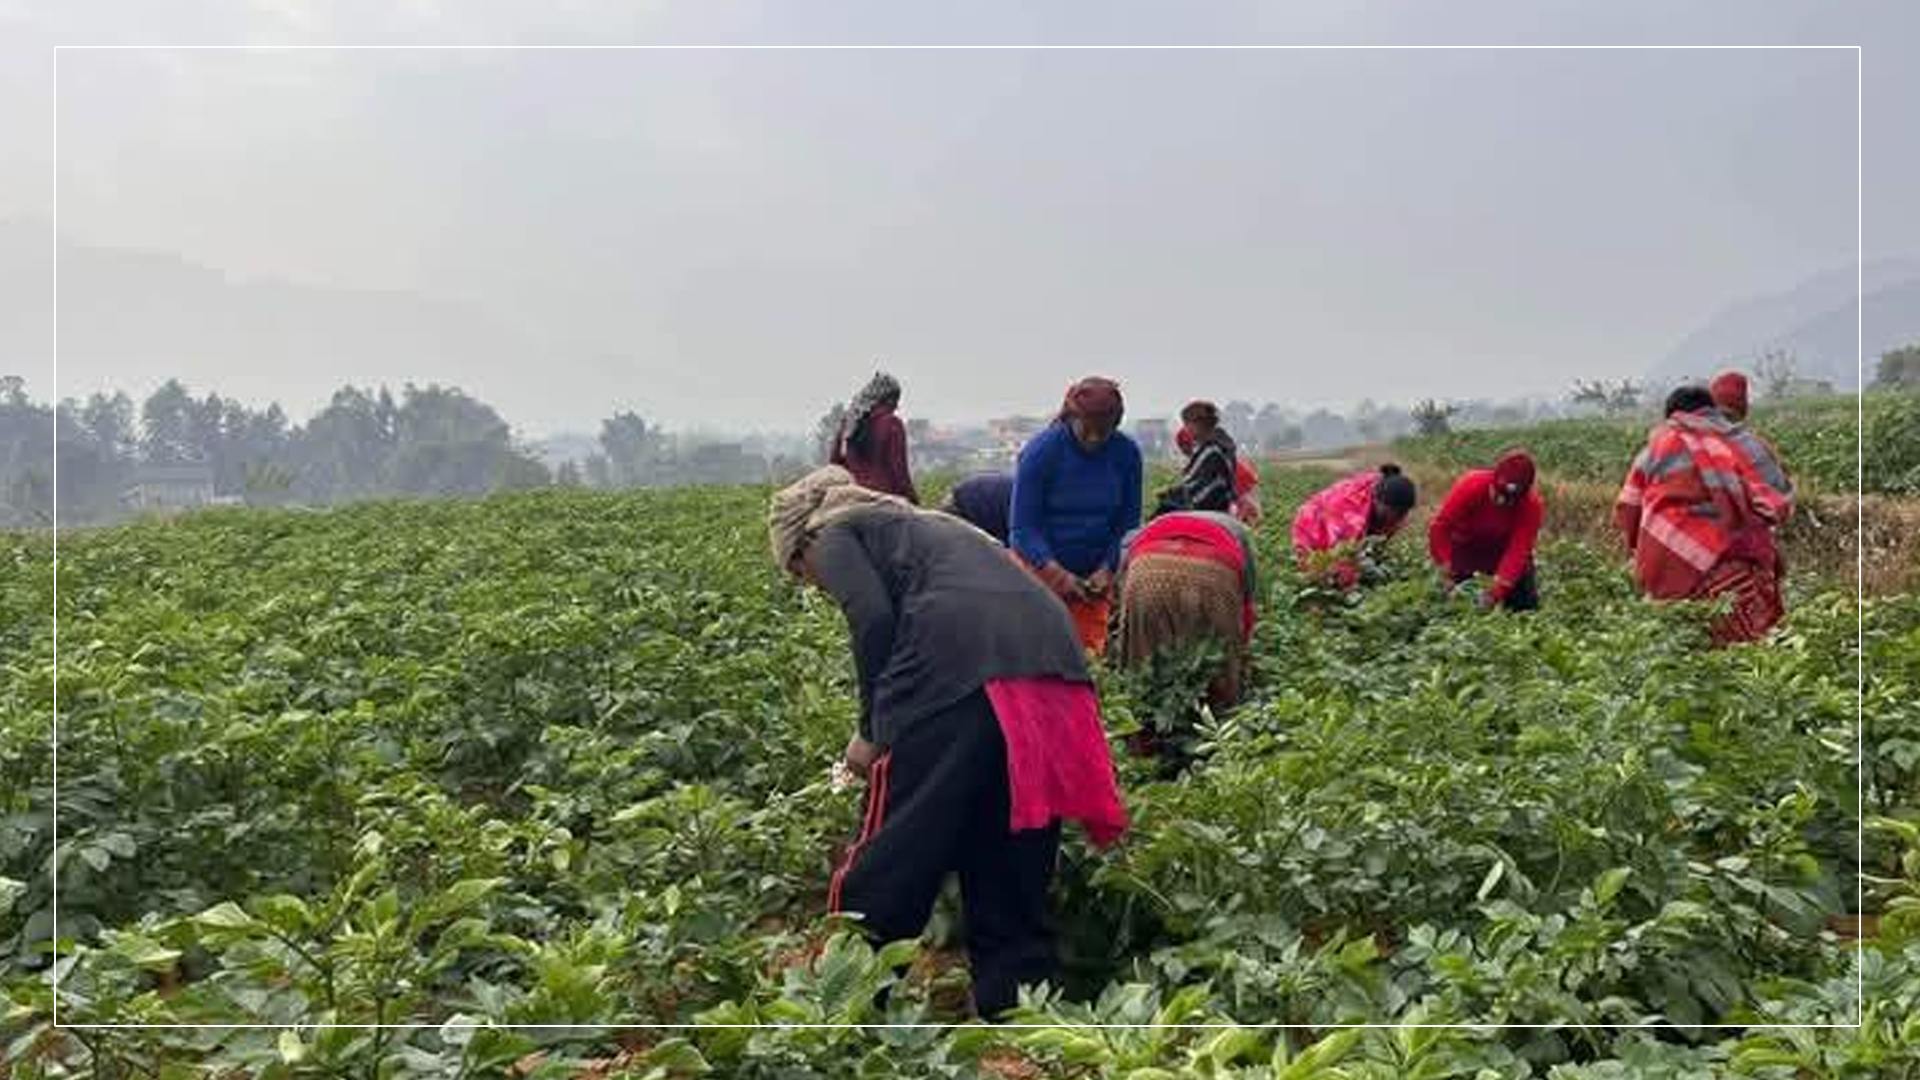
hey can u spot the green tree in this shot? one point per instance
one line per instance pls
(1899, 369)
(628, 445)
(1431, 417)
(826, 432)
(169, 426)
(1776, 369)
(1621, 398)
(26, 456)
(599, 473)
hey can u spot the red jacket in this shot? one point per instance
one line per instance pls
(883, 467)
(1474, 535)
(1702, 491)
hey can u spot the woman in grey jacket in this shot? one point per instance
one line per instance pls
(979, 729)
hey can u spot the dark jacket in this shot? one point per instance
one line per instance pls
(985, 501)
(935, 611)
(1207, 483)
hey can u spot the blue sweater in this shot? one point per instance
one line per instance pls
(1072, 506)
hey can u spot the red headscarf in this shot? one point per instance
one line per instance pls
(1729, 392)
(1095, 399)
(1514, 472)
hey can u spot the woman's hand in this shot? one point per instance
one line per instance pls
(860, 755)
(1100, 582)
(1062, 582)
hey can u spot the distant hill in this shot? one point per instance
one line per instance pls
(130, 318)
(1814, 321)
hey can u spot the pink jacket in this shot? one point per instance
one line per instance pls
(1335, 520)
(1336, 515)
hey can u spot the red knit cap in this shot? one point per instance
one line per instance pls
(1729, 391)
(1513, 473)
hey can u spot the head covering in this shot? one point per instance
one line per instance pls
(880, 389)
(1394, 489)
(1513, 473)
(1729, 390)
(1096, 399)
(798, 512)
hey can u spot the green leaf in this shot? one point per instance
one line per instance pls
(1608, 885)
(1315, 1061)
(145, 953)
(287, 914)
(10, 893)
(466, 893)
(896, 954)
(1758, 1057)
(678, 1057)
(1494, 873)
(226, 916)
(1231, 1046)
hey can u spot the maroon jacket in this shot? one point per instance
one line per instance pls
(883, 465)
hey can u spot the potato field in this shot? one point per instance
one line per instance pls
(529, 781)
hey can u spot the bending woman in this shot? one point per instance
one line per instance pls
(979, 729)
(1188, 578)
(1331, 525)
(1698, 511)
(1489, 525)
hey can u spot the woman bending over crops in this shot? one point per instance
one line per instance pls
(1488, 525)
(1076, 495)
(1698, 511)
(984, 501)
(872, 443)
(979, 730)
(1333, 524)
(1187, 579)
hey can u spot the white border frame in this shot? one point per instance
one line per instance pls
(1859, 304)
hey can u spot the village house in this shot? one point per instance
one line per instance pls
(170, 487)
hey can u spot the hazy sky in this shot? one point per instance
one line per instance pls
(733, 236)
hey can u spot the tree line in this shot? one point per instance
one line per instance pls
(365, 442)
(438, 440)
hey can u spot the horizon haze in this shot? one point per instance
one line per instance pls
(734, 239)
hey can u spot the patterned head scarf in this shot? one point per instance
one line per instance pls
(798, 512)
(1094, 399)
(880, 390)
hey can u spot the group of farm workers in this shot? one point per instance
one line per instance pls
(973, 625)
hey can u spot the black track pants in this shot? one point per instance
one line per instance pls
(938, 803)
